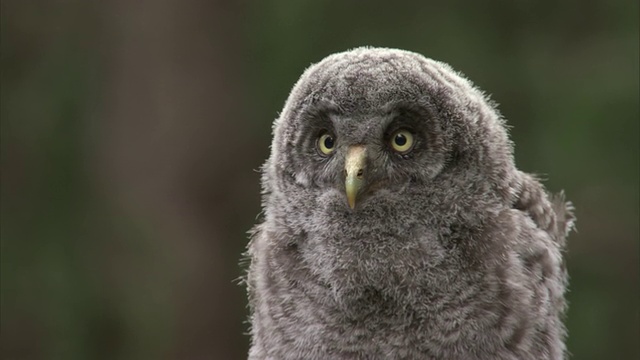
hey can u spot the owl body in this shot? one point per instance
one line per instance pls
(397, 226)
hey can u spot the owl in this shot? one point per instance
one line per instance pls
(397, 226)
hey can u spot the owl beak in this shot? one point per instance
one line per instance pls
(354, 166)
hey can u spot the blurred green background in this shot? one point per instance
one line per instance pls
(131, 131)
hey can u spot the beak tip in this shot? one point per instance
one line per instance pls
(351, 199)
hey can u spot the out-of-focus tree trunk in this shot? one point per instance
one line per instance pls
(168, 156)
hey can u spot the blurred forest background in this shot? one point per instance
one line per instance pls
(131, 131)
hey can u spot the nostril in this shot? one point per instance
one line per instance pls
(360, 173)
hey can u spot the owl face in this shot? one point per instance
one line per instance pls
(360, 153)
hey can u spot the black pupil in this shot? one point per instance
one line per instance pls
(401, 140)
(328, 142)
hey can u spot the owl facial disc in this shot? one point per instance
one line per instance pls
(355, 166)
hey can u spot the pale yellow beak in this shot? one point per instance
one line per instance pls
(354, 165)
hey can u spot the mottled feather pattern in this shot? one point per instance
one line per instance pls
(450, 253)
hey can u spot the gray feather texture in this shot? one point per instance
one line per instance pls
(450, 252)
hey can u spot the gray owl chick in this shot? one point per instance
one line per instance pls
(397, 226)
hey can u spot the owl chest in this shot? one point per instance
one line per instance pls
(384, 296)
(361, 320)
(369, 325)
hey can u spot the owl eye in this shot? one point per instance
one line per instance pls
(326, 143)
(402, 141)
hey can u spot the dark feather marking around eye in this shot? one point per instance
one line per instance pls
(315, 120)
(326, 107)
(420, 117)
(411, 116)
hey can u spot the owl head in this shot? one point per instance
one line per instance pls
(372, 124)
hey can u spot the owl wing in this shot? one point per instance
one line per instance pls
(540, 250)
(550, 213)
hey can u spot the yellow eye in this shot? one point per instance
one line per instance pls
(326, 143)
(402, 141)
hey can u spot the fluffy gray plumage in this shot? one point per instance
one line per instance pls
(450, 251)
